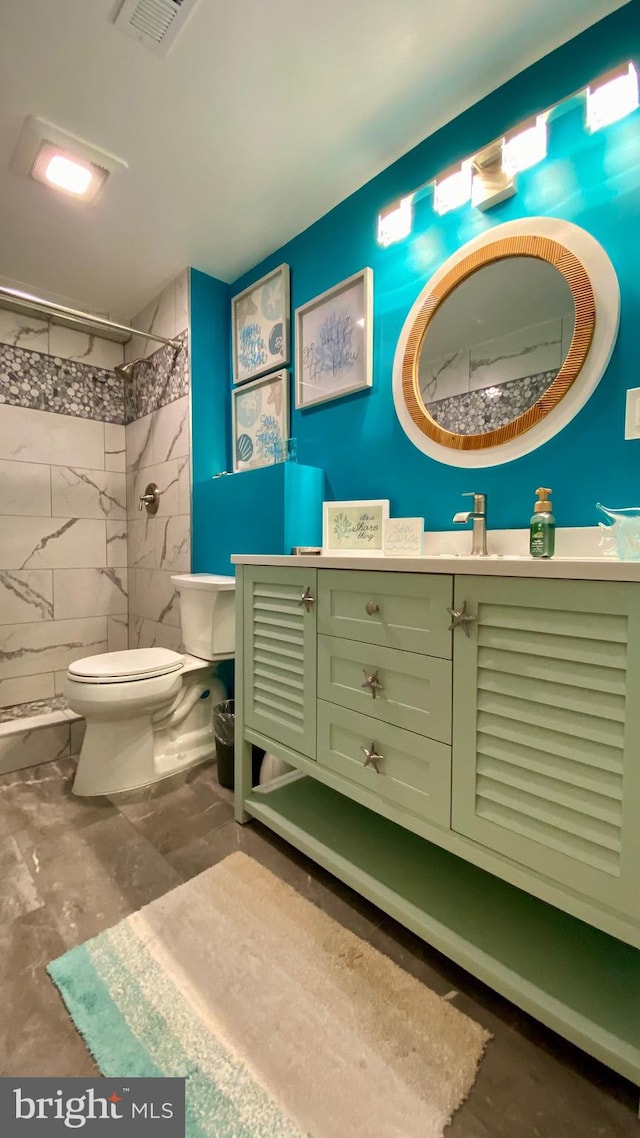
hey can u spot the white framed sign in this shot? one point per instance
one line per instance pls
(356, 528)
(404, 537)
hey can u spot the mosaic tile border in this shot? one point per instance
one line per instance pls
(474, 413)
(35, 707)
(67, 387)
(159, 379)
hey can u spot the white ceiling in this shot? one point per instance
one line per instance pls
(265, 114)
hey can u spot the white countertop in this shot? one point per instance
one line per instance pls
(567, 568)
(580, 558)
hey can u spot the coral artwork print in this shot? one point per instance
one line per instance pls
(334, 341)
(334, 352)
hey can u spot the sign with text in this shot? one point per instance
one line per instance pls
(129, 1108)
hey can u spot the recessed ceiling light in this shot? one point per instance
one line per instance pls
(62, 161)
(68, 175)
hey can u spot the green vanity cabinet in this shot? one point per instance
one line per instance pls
(546, 736)
(279, 655)
(465, 752)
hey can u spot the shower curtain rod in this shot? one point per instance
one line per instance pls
(75, 316)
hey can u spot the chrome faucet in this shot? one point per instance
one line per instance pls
(479, 516)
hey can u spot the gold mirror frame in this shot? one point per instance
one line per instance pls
(577, 278)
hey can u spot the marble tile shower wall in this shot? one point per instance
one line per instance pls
(158, 449)
(63, 566)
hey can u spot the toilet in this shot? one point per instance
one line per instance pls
(149, 710)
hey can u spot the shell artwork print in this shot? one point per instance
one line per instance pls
(268, 438)
(275, 398)
(276, 341)
(252, 352)
(248, 407)
(244, 448)
(272, 299)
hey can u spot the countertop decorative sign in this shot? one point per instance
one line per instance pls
(354, 527)
(404, 537)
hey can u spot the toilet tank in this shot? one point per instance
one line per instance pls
(207, 614)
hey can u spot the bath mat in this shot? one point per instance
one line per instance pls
(284, 1023)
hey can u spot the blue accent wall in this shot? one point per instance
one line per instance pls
(591, 180)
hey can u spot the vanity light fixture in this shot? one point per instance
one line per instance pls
(62, 161)
(395, 222)
(453, 188)
(490, 184)
(525, 145)
(488, 176)
(612, 96)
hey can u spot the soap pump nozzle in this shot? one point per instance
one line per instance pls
(543, 506)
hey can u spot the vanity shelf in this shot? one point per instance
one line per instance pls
(544, 960)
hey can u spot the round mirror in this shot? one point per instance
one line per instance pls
(506, 342)
(495, 345)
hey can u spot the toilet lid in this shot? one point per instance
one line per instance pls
(136, 664)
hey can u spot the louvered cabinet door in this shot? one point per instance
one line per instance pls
(280, 655)
(546, 730)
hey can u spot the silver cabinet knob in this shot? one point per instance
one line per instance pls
(372, 682)
(307, 600)
(372, 608)
(372, 758)
(460, 618)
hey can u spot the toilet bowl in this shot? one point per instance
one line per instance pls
(149, 711)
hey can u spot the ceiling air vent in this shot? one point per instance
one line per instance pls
(154, 23)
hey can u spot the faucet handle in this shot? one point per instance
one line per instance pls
(479, 501)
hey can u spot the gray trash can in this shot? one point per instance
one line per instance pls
(224, 722)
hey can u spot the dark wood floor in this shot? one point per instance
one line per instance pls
(70, 868)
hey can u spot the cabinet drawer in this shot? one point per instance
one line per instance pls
(414, 772)
(397, 610)
(414, 691)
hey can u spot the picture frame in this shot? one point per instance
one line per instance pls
(260, 421)
(355, 528)
(261, 326)
(334, 341)
(403, 537)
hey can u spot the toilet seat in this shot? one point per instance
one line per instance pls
(125, 667)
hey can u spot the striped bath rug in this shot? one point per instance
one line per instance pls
(283, 1022)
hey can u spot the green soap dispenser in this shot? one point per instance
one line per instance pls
(542, 528)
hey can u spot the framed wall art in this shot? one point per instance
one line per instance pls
(260, 326)
(260, 417)
(356, 528)
(334, 341)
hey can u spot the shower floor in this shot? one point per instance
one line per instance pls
(35, 707)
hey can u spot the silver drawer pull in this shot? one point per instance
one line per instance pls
(372, 682)
(307, 600)
(460, 618)
(372, 758)
(372, 608)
